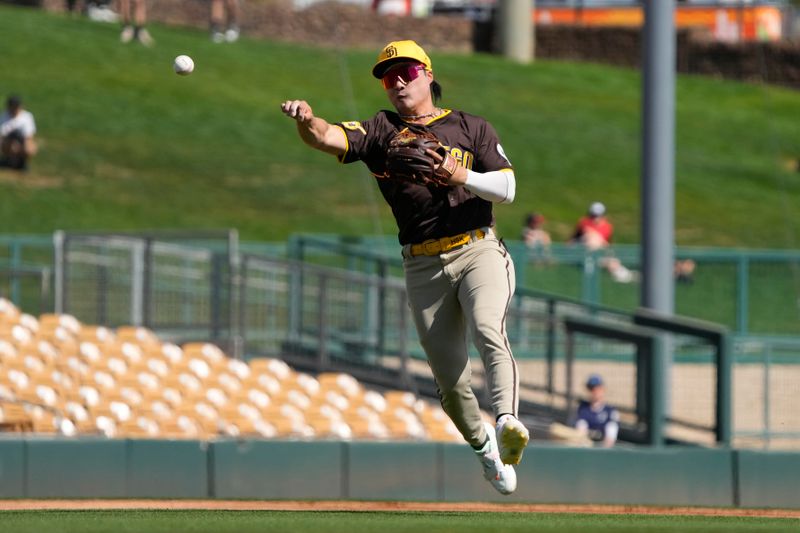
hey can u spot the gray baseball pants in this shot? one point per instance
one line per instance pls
(451, 294)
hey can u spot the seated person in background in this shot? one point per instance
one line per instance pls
(17, 131)
(594, 231)
(684, 270)
(595, 418)
(535, 237)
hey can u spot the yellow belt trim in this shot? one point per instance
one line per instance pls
(445, 244)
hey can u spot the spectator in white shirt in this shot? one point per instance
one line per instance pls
(17, 135)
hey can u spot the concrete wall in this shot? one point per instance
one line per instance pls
(100, 468)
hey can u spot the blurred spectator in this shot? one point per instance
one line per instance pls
(99, 11)
(535, 237)
(595, 418)
(684, 270)
(403, 8)
(72, 6)
(17, 135)
(594, 231)
(134, 16)
(224, 14)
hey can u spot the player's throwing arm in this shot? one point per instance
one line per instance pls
(315, 132)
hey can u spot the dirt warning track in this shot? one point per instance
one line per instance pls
(257, 505)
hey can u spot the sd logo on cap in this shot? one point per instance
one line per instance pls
(395, 52)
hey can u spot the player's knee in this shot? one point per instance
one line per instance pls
(455, 397)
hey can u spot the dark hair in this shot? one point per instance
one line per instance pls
(534, 217)
(14, 101)
(436, 91)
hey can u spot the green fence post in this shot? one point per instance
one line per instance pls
(724, 390)
(591, 278)
(15, 263)
(551, 343)
(656, 401)
(767, 424)
(742, 300)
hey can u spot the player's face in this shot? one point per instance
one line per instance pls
(403, 73)
(407, 85)
(597, 393)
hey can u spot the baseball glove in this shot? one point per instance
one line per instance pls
(408, 159)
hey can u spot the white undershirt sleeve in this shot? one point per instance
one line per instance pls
(496, 186)
(612, 430)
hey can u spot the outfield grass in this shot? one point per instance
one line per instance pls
(350, 522)
(127, 144)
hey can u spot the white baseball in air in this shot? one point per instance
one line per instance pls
(183, 65)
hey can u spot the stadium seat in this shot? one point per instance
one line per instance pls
(229, 383)
(288, 427)
(238, 368)
(7, 350)
(134, 429)
(399, 397)
(90, 395)
(336, 399)
(279, 369)
(172, 395)
(158, 366)
(266, 382)
(106, 425)
(30, 322)
(7, 308)
(130, 351)
(334, 429)
(49, 322)
(127, 382)
(259, 398)
(45, 422)
(136, 335)
(96, 334)
(18, 379)
(210, 353)
(308, 384)
(76, 411)
(13, 417)
(297, 398)
(171, 352)
(20, 336)
(368, 429)
(131, 395)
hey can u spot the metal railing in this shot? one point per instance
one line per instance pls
(649, 386)
(747, 291)
(343, 307)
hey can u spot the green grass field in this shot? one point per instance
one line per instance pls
(349, 522)
(127, 144)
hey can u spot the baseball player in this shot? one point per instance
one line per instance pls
(596, 418)
(459, 275)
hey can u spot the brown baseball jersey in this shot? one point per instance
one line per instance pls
(429, 212)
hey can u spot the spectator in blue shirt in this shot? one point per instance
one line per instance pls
(595, 418)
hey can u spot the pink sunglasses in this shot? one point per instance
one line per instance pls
(405, 73)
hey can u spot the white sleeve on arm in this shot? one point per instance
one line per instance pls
(495, 186)
(612, 430)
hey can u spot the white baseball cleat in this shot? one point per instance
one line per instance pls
(512, 437)
(501, 476)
